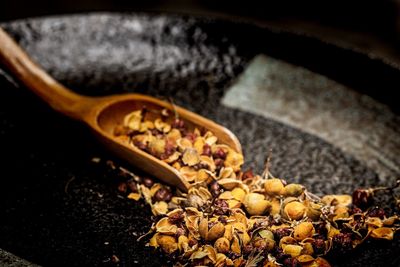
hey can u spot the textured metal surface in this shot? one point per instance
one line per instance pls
(194, 61)
(295, 96)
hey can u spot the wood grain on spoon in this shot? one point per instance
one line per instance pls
(103, 114)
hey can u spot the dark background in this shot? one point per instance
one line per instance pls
(372, 26)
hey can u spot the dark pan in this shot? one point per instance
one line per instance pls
(57, 208)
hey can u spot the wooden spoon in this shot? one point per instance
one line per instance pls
(103, 114)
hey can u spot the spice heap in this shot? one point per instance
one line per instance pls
(235, 218)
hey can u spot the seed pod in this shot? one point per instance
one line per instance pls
(134, 196)
(234, 160)
(273, 187)
(383, 233)
(320, 262)
(303, 259)
(222, 245)
(190, 157)
(275, 206)
(229, 183)
(313, 211)
(303, 230)
(159, 208)
(212, 233)
(235, 247)
(287, 240)
(292, 250)
(334, 200)
(307, 249)
(167, 243)
(266, 234)
(199, 144)
(183, 243)
(157, 146)
(238, 194)
(295, 210)
(183, 144)
(256, 204)
(133, 120)
(174, 135)
(293, 190)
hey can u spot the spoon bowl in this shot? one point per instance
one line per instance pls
(104, 114)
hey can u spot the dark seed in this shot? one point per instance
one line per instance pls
(176, 217)
(247, 249)
(279, 255)
(219, 154)
(319, 246)
(222, 219)
(377, 212)
(219, 163)
(291, 262)
(281, 232)
(148, 182)
(178, 123)
(132, 185)
(201, 165)
(215, 189)
(206, 150)
(122, 187)
(362, 198)
(163, 194)
(192, 242)
(342, 242)
(140, 145)
(320, 228)
(114, 259)
(355, 210)
(247, 175)
(191, 136)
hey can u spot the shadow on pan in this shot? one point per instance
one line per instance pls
(59, 209)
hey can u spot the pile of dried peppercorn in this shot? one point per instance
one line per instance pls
(231, 217)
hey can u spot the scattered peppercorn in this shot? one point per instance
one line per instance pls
(122, 187)
(361, 198)
(148, 182)
(377, 212)
(239, 218)
(342, 242)
(163, 194)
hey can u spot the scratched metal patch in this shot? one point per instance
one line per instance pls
(355, 123)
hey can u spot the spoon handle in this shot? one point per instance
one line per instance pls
(36, 79)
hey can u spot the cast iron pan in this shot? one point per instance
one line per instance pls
(57, 208)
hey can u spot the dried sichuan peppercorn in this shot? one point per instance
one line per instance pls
(362, 198)
(233, 218)
(163, 194)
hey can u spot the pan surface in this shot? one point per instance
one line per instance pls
(57, 208)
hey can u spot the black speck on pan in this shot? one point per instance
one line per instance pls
(190, 59)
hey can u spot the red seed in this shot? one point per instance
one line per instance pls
(122, 187)
(247, 175)
(132, 185)
(163, 194)
(219, 154)
(362, 198)
(148, 182)
(206, 150)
